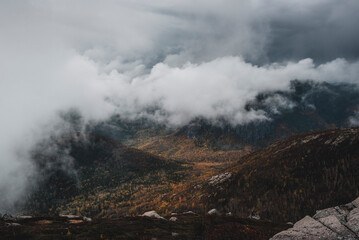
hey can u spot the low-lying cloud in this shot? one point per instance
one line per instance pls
(219, 88)
(169, 61)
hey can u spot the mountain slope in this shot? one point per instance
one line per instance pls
(285, 181)
(179, 147)
(307, 106)
(93, 167)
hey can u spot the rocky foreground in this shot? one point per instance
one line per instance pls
(340, 222)
(177, 226)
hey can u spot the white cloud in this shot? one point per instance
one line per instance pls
(218, 88)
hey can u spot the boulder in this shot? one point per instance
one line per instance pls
(152, 214)
(229, 214)
(306, 228)
(213, 212)
(87, 219)
(13, 224)
(189, 212)
(173, 219)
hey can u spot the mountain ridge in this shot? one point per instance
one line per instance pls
(282, 182)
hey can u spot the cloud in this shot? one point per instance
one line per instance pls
(170, 61)
(218, 88)
(180, 31)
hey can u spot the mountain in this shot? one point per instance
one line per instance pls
(259, 168)
(131, 132)
(283, 182)
(95, 168)
(306, 106)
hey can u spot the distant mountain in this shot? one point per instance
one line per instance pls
(306, 106)
(179, 147)
(283, 182)
(130, 132)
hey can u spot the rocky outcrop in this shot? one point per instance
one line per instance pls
(341, 222)
(152, 214)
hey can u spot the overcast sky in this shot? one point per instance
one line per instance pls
(184, 58)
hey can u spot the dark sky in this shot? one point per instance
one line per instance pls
(327, 31)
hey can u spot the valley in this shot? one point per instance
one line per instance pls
(277, 171)
(281, 183)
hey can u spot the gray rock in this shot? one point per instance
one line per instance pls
(338, 212)
(173, 219)
(335, 225)
(307, 228)
(152, 214)
(292, 234)
(13, 224)
(356, 202)
(341, 222)
(87, 219)
(8, 217)
(213, 212)
(353, 221)
(23, 217)
(313, 228)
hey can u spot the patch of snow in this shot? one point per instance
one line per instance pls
(174, 234)
(229, 214)
(152, 214)
(174, 214)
